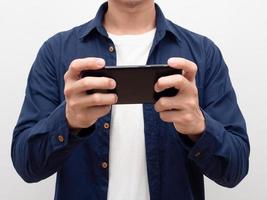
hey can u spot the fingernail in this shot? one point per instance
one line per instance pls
(116, 98)
(112, 84)
(100, 62)
(156, 88)
(171, 60)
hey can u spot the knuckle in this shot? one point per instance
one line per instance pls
(66, 75)
(194, 67)
(72, 104)
(180, 80)
(195, 92)
(85, 82)
(67, 92)
(162, 103)
(183, 62)
(187, 118)
(96, 99)
(190, 103)
(74, 65)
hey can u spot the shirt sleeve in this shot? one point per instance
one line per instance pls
(42, 140)
(222, 152)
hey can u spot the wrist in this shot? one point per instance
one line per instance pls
(199, 130)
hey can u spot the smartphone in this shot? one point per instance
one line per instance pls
(135, 84)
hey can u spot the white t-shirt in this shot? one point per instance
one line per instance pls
(127, 157)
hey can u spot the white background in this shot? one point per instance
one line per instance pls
(238, 27)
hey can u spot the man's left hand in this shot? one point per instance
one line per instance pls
(183, 109)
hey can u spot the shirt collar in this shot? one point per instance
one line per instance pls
(163, 25)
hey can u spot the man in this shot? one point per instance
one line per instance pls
(137, 151)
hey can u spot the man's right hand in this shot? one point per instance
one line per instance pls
(83, 110)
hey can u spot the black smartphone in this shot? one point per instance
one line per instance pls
(135, 84)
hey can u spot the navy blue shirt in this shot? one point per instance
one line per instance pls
(44, 145)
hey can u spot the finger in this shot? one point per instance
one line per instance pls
(98, 111)
(179, 103)
(89, 83)
(79, 65)
(189, 67)
(178, 116)
(177, 81)
(169, 116)
(184, 122)
(89, 116)
(98, 99)
(168, 104)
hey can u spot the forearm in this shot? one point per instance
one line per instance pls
(40, 150)
(222, 153)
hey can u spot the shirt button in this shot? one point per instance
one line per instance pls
(104, 165)
(111, 49)
(60, 138)
(197, 154)
(106, 125)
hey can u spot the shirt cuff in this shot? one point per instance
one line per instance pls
(205, 147)
(61, 134)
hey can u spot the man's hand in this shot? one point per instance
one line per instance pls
(183, 109)
(83, 110)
